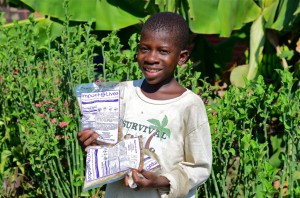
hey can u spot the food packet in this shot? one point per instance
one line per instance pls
(107, 164)
(101, 108)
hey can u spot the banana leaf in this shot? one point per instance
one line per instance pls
(205, 16)
(221, 16)
(107, 14)
(281, 14)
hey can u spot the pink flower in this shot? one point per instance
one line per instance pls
(63, 124)
(51, 109)
(71, 115)
(58, 137)
(41, 114)
(53, 121)
(38, 105)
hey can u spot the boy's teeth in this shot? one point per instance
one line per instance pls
(152, 70)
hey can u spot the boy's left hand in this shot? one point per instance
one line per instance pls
(147, 179)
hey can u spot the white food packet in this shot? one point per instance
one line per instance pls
(107, 164)
(101, 109)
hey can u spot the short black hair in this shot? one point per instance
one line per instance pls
(171, 23)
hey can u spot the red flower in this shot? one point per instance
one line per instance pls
(63, 124)
(51, 109)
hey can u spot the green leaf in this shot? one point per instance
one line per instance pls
(257, 41)
(167, 132)
(164, 121)
(285, 14)
(287, 54)
(154, 122)
(154, 127)
(221, 17)
(4, 158)
(107, 14)
(238, 75)
(232, 151)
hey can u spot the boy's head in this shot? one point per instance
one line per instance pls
(171, 23)
(163, 43)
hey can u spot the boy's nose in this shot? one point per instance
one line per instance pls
(152, 57)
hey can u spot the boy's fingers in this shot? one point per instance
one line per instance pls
(84, 131)
(86, 134)
(147, 174)
(126, 181)
(134, 176)
(137, 177)
(87, 137)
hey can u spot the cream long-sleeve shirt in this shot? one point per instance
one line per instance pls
(176, 132)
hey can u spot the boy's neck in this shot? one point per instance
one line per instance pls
(165, 90)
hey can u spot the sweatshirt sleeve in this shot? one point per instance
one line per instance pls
(196, 167)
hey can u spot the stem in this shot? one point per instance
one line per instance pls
(56, 177)
(103, 65)
(47, 183)
(265, 129)
(215, 183)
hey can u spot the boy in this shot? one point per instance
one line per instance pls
(171, 118)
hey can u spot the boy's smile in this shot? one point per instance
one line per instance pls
(158, 56)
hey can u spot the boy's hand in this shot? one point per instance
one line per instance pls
(87, 137)
(147, 179)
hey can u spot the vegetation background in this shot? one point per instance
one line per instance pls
(252, 102)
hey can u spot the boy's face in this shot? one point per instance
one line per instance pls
(158, 56)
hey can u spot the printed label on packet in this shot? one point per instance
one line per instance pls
(101, 112)
(105, 161)
(150, 163)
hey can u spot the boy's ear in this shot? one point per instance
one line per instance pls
(184, 55)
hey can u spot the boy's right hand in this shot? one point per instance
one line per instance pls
(87, 137)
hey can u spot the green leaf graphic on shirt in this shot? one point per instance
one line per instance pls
(160, 126)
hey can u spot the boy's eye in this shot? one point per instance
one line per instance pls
(143, 49)
(164, 52)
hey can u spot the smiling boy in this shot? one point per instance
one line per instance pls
(171, 119)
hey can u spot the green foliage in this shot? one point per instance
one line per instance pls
(119, 64)
(247, 124)
(204, 17)
(39, 116)
(255, 129)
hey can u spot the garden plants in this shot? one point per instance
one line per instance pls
(255, 128)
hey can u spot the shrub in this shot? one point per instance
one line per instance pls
(255, 130)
